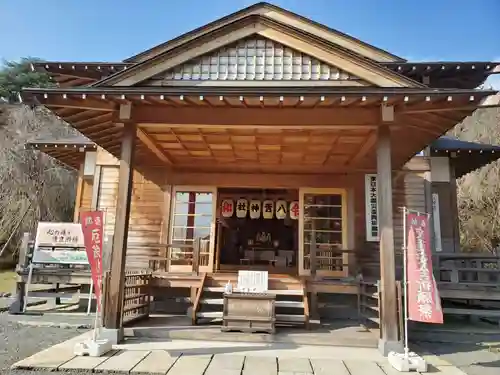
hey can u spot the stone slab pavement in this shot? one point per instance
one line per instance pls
(182, 357)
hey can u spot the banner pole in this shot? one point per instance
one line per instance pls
(405, 284)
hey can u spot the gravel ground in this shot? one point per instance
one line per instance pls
(18, 342)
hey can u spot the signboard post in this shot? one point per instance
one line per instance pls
(59, 244)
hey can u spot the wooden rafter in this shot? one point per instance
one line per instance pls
(152, 146)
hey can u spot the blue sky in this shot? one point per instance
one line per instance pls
(111, 30)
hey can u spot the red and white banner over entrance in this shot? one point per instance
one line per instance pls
(92, 227)
(424, 304)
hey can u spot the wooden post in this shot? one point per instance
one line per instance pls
(196, 255)
(78, 198)
(96, 188)
(313, 248)
(389, 316)
(454, 207)
(119, 249)
(22, 263)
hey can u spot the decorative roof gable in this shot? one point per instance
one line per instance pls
(255, 59)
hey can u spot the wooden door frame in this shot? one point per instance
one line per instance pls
(345, 227)
(194, 189)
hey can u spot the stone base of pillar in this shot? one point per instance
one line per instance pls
(385, 347)
(114, 336)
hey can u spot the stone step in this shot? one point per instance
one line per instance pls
(284, 292)
(220, 301)
(284, 318)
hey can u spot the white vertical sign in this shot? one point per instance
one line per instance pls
(371, 208)
(436, 222)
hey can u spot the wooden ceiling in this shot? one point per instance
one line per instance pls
(261, 149)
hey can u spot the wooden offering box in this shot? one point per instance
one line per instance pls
(249, 312)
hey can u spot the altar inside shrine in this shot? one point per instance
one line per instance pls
(258, 229)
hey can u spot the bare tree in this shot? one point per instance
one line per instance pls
(479, 191)
(31, 182)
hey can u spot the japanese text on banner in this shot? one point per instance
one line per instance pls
(424, 304)
(92, 227)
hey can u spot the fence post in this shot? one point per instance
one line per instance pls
(196, 255)
(22, 263)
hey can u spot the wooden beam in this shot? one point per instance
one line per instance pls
(389, 317)
(490, 101)
(152, 146)
(257, 180)
(96, 188)
(83, 103)
(159, 126)
(119, 249)
(78, 198)
(365, 149)
(161, 116)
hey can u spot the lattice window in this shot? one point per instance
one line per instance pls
(256, 59)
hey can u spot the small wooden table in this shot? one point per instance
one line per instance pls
(249, 312)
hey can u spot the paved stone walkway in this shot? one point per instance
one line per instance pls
(182, 357)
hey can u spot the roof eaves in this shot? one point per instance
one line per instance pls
(275, 23)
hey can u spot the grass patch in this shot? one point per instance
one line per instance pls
(7, 281)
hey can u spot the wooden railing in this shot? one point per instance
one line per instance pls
(467, 268)
(333, 259)
(370, 308)
(190, 255)
(136, 297)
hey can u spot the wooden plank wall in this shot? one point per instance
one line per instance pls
(86, 197)
(409, 191)
(146, 219)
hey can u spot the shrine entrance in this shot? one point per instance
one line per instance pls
(257, 229)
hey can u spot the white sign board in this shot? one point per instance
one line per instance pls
(59, 243)
(371, 208)
(253, 281)
(437, 223)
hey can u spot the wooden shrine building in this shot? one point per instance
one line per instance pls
(249, 143)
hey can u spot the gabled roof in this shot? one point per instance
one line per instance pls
(467, 156)
(277, 14)
(344, 58)
(441, 74)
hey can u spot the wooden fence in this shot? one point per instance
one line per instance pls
(137, 296)
(370, 308)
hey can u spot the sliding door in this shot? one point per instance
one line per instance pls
(323, 226)
(193, 218)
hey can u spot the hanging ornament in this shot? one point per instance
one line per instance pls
(268, 209)
(227, 208)
(281, 209)
(255, 207)
(294, 210)
(241, 208)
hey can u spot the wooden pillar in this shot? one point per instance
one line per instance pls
(78, 197)
(454, 207)
(389, 317)
(119, 247)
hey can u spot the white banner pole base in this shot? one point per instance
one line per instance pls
(407, 362)
(93, 348)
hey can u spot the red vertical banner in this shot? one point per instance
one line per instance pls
(424, 304)
(92, 227)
